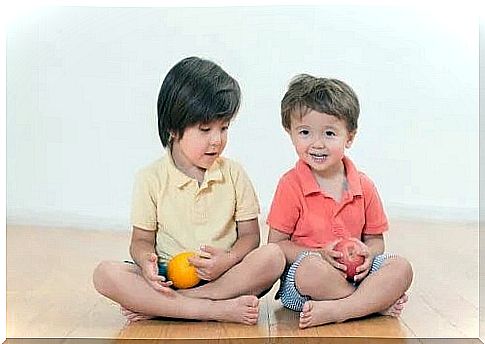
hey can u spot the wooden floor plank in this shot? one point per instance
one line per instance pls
(50, 293)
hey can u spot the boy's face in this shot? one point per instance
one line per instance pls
(320, 141)
(201, 144)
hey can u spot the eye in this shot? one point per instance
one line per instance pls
(225, 127)
(204, 129)
(330, 133)
(304, 132)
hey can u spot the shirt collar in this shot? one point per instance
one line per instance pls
(309, 183)
(353, 177)
(212, 174)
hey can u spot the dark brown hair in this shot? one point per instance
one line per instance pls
(195, 91)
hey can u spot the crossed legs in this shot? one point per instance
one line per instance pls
(336, 300)
(231, 298)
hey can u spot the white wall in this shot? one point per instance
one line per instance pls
(82, 85)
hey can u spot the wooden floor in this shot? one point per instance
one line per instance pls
(50, 294)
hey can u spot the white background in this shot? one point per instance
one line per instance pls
(82, 85)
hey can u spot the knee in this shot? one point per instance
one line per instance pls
(103, 277)
(404, 268)
(273, 258)
(310, 274)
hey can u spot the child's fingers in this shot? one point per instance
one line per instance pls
(203, 275)
(335, 254)
(208, 250)
(157, 282)
(155, 278)
(338, 265)
(363, 267)
(204, 254)
(166, 284)
(157, 285)
(163, 287)
(360, 276)
(199, 262)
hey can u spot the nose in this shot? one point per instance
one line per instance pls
(216, 139)
(318, 142)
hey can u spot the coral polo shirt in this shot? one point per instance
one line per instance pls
(313, 219)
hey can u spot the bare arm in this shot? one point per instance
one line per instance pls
(213, 261)
(247, 240)
(373, 246)
(142, 244)
(290, 249)
(142, 250)
(375, 243)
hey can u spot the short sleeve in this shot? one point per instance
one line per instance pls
(247, 205)
(144, 203)
(285, 208)
(375, 217)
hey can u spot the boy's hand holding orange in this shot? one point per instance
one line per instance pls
(149, 271)
(211, 262)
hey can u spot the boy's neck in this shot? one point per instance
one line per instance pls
(333, 182)
(335, 173)
(189, 170)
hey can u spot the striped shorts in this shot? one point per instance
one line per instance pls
(289, 294)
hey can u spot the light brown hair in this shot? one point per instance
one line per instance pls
(330, 96)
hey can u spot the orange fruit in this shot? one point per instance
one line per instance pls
(181, 272)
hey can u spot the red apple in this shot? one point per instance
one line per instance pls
(350, 258)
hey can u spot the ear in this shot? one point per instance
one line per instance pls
(173, 136)
(350, 139)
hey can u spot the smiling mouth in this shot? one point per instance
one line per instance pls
(318, 155)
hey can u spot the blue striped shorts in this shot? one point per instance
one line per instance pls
(289, 294)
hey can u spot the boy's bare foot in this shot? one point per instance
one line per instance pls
(132, 317)
(243, 309)
(317, 313)
(396, 309)
(321, 312)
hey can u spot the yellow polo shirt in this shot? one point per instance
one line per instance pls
(186, 215)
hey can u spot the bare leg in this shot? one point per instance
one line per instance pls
(316, 278)
(258, 271)
(123, 284)
(396, 309)
(313, 270)
(376, 293)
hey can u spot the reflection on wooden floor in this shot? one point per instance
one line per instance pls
(50, 294)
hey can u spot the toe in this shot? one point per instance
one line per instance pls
(306, 307)
(303, 323)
